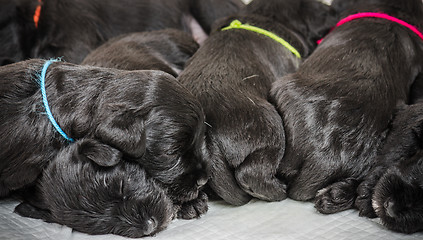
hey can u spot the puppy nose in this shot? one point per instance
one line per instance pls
(151, 226)
(201, 182)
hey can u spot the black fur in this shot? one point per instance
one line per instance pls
(338, 105)
(165, 50)
(145, 117)
(231, 74)
(72, 28)
(206, 15)
(93, 199)
(393, 190)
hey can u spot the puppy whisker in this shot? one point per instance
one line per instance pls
(252, 76)
(208, 124)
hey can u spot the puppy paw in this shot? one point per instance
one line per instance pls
(194, 208)
(259, 180)
(363, 202)
(337, 197)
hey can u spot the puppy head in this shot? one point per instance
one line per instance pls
(398, 195)
(166, 50)
(23, 38)
(206, 12)
(99, 199)
(174, 132)
(159, 124)
(310, 18)
(17, 30)
(175, 135)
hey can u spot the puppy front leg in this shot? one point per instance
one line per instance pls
(194, 208)
(257, 175)
(365, 192)
(336, 197)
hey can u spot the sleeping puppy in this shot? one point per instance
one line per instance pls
(337, 107)
(75, 191)
(165, 50)
(72, 28)
(141, 116)
(231, 75)
(393, 190)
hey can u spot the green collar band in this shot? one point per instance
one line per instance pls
(236, 24)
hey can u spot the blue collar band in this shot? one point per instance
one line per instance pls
(45, 102)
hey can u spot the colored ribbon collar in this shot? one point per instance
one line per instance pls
(236, 24)
(37, 13)
(45, 102)
(377, 15)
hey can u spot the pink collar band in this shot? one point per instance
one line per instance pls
(377, 15)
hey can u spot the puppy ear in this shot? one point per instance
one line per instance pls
(341, 5)
(27, 210)
(320, 18)
(100, 153)
(123, 128)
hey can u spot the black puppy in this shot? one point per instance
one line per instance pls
(337, 107)
(231, 75)
(72, 28)
(165, 50)
(94, 199)
(393, 190)
(140, 116)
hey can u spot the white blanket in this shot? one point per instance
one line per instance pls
(258, 220)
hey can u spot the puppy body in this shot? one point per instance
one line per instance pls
(393, 190)
(338, 105)
(72, 28)
(141, 116)
(165, 50)
(231, 75)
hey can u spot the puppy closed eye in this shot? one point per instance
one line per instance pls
(121, 188)
(117, 188)
(122, 193)
(338, 196)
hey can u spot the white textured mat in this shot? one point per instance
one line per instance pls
(286, 220)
